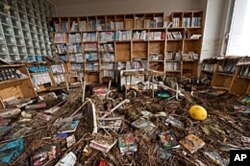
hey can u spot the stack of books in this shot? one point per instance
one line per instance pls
(108, 57)
(172, 66)
(196, 22)
(100, 25)
(187, 21)
(65, 26)
(61, 48)
(74, 26)
(119, 25)
(107, 47)
(123, 35)
(156, 57)
(57, 68)
(91, 56)
(176, 22)
(90, 47)
(244, 71)
(74, 48)
(92, 66)
(82, 26)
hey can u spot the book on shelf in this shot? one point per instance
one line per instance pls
(244, 71)
(92, 67)
(74, 48)
(123, 35)
(89, 37)
(110, 25)
(196, 22)
(108, 47)
(41, 78)
(207, 67)
(75, 38)
(156, 35)
(91, 56)
(174, 55)
(65, 26)
(90, 47)
(176, 22)
(156, 57)
(59, 79)
(72, 58)
(108, 57)
(174, 35)
(119, 25)
(190, 56)
(57, 68)
(91, 25)
(130, 65)
(60, 38)
(63, 57)
(82, 26)
(140, 35)
(78, 67)
(106, 36)
(158, 22)
(108, 66)
(100, 26)
(61, 48)
(56, 27)
(172, 66)
(187, 21)
(147, 23)
(74, 26)
(79, 58)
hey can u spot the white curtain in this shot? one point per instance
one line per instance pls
(239, 36)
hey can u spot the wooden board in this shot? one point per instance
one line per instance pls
(122, 52)
(140, 50)
(239, 86)
(156, 47)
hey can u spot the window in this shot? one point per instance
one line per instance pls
(239, 36)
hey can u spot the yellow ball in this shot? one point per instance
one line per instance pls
(198, 112)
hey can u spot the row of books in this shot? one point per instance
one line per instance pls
(208, 67)
(173, 56)
(61, 48)
(108, 66)
(91, 36)
(108, 57)
(76, 58)
(129, 65)
(92, 67)
(196, 22)
(106, 36)
(78, 67)
(57, 68)
(244, 71)
(91, 56)
(74, 48)
(176, 22)
(75, 38)
(190, 56)
(91, 47)
(41, 78)
(59, 79)
(107, 47)
(174, 35)
(173, 66)
(140, 35)
(156, 57)
(157, 35)
(187, 21)
(10, 73)
(60, 38)
(228, 66)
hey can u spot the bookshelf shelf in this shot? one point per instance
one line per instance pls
(146, 38)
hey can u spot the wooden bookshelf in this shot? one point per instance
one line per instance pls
(134, 37)
(225, 73)
(18, 87)
(241, 83)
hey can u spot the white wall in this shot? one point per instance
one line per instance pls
(216, 14)
(102, 7)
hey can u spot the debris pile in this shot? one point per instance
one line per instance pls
(105, 128)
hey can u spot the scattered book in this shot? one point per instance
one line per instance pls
(192, 143)
(168, 140)
(69, 127)
(127, 144)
